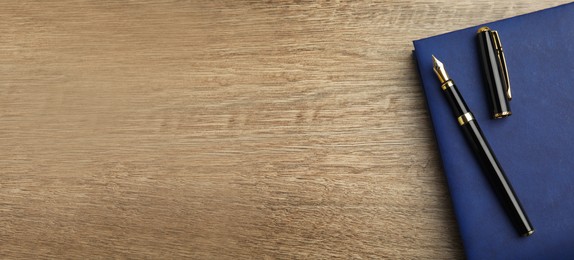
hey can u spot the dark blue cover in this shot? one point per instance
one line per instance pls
(535, 145)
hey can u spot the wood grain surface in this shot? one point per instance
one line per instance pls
(214, 129)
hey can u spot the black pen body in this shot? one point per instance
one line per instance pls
(488, 161)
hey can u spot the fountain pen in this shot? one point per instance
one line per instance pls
(490, 165)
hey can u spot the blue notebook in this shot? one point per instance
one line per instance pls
(535, 145)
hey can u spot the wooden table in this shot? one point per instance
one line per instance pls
(223, 129)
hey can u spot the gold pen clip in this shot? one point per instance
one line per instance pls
(502, 62)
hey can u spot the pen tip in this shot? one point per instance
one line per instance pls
(439, 70)
(435, 61)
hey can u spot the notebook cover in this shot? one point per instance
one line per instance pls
(535, 145)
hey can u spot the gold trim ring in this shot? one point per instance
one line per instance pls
(503, 114)
(447, 84)
(465, 118)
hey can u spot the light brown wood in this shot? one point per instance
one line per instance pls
(223, 129)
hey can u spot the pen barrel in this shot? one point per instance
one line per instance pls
(490, 165)
(497, 178)
(455, 99)
(494, 74)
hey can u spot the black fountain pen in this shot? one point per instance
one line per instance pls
(483, 152)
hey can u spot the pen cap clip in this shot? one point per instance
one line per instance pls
(502, 62)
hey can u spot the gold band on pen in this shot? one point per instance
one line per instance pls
(465, 118)
(503, 114)
(446, 84)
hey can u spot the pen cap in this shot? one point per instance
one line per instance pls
(495, 72)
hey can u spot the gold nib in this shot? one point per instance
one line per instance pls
(439, 70)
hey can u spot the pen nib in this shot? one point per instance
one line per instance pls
(439, 70)
(436, 62)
